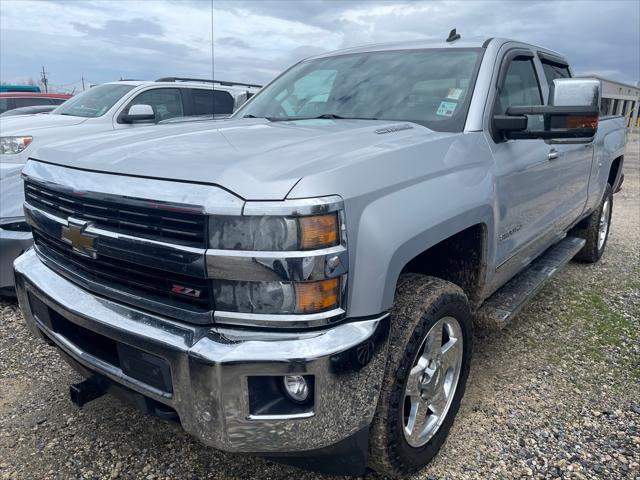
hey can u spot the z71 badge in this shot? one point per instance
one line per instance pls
(189, 292)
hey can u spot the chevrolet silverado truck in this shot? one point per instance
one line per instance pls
(301, 281)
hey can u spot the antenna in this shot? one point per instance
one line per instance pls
(453, 36)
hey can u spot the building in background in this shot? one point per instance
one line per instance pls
(620, 99)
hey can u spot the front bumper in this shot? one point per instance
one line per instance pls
(12, 244)
(209, 368)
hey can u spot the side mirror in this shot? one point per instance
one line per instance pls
(572, 113)
(139, 113)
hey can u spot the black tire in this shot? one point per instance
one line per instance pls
(420, 302)
(589, 229)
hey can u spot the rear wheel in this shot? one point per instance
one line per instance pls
(595, 229)
(427, 368)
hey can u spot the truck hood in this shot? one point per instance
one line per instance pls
(255, 158)
(27, 124)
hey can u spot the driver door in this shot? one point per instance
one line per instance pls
(526, 182)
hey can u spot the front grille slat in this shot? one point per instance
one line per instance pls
(149, 222)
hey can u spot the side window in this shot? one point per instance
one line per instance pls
(4, 104)
(30, 102)
(521, 88)
(554, 70)
(166, 102)
(209, 102)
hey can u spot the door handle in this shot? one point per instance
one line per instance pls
(553, 154)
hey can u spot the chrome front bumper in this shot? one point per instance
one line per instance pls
(210, 367)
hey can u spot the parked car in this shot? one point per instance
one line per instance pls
(302, 280)
(9, 101)
(33, 110)
(103, 108)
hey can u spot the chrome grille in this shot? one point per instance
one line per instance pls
(152, 220)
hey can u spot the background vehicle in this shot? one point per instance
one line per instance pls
(9, 101)
(304, 277)
(106, 107)
(19, 88)
(28, 110)
(103, 108)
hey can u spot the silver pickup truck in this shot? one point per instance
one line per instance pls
(301, 281)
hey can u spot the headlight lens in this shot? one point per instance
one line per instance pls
(277, 297)
(13, 145)
(273, 233)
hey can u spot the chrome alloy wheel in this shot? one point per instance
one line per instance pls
(603, 226)
(432, 381)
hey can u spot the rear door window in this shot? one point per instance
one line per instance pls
(210, 102)
(554, 70)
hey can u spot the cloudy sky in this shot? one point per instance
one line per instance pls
(105, 40)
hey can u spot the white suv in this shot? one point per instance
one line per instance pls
(107, 107)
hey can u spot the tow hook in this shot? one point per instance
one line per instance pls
(84, 392)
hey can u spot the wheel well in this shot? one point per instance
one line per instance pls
(613, 171)
(460, 259)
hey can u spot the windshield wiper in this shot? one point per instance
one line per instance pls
(329, 116)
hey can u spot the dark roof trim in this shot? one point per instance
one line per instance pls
(204, 80)
(547, 57)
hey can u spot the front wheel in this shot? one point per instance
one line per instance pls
(427, 368)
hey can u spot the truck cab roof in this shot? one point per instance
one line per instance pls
(474, 42)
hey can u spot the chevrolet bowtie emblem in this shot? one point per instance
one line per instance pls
(75, 236)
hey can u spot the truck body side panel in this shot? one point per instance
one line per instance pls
(400, 210)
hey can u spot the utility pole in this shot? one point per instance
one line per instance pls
(83, 83)
(45, 80)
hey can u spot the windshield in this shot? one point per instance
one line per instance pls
(429, 87)
(94, 102)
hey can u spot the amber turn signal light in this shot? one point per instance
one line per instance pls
(582, 122)
(313, 297)
(318, 231)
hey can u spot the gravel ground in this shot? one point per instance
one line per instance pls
(555, 394)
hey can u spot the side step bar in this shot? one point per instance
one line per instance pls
(500, 308)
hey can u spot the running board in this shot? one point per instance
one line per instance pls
(500, 308)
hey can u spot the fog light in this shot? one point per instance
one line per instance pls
(296, 387)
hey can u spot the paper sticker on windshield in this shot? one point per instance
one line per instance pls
(455, 93)
(446, 109)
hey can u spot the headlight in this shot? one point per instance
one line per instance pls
(12, 145)
(277, 297)
(280, 259)
(274, 233)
